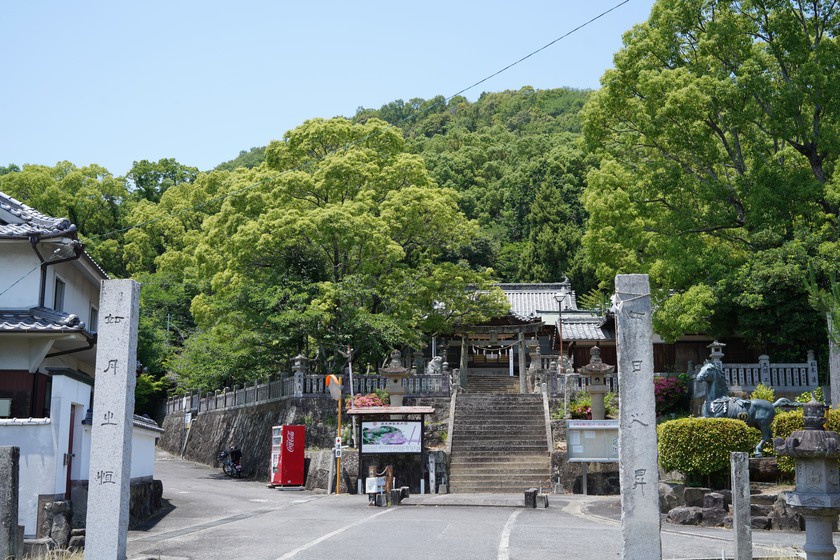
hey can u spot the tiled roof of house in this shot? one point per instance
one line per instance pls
(19, 221)
(39, 319)
(146, 423)
(586, 327)
(532, 300)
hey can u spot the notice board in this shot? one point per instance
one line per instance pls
(592, 441)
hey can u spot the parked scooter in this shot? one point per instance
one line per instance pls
(231, 461)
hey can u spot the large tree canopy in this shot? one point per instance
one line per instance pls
(337, 239)
(718, 137)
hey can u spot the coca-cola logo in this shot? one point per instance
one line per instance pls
(290, 442)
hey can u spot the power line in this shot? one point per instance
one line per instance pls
(346, 146)
(351, 144)
(19, 280)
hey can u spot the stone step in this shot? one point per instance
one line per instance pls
(499, 449)
(530, 471)
(514, 487)
(492, 444)
(498, 441)
(501, 414)
(498, 423)
(537, 455)
(519, 439)
(500, 429)
(502, 398)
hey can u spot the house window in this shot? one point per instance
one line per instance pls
(93, 324)
(58, 300)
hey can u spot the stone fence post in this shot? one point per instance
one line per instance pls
(764, 368)
(9, 473)
(299, 368)
(445, 379)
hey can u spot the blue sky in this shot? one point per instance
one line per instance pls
(113, 82)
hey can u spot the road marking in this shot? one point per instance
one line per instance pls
(258, 500)
(504, 542)
(319, 540)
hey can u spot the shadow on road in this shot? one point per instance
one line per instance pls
(147, 524)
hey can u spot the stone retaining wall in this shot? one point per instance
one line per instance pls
(249, 427)
(701, 506)
(62, 522)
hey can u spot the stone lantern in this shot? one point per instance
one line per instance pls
(394, 375)
(817, 494)
(597, 372)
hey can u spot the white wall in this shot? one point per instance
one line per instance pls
(143, 453)
(18, 259)
(35, 438)
(80, 291)
(66, 392)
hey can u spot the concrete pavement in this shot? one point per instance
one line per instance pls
(210, 516)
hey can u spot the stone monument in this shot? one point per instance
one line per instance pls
(741, 520)
(833, 362)
(637, 454)
(113, 419)
(817, 494)
(9, 473)
(597, 371)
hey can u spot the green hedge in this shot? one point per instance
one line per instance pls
(786, 423)
(701, 446)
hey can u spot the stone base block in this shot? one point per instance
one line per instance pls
(531, 498)
(692, 515)
(38, 548)
(761, 522)
(670, 496)
(694, 496)
(685, 515)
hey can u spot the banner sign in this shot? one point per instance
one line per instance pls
(392, 436)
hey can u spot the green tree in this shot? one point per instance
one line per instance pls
(149, 180)
(250, 159)
(11, 168)
(339, 238)
(717, 137)
(90, 197)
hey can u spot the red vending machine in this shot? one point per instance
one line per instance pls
(287, 460)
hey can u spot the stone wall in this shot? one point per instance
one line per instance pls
(61, 523)
(249, 427)
(683, 505)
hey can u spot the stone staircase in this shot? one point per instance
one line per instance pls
(499, 444)
(492, 382)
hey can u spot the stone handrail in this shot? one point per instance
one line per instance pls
(310, 386)
(782, 377)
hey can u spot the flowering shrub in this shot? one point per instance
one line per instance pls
(363, 401)
(671, 394)
(581, 407)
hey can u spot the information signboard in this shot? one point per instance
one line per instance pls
(392, 436)
(592, 441)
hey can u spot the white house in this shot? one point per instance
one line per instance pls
(49, 299)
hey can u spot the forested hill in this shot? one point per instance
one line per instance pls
(372, 231)
(515, 159)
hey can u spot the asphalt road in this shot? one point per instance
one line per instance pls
(210, 516)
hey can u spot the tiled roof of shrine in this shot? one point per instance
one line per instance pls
(534, 300)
